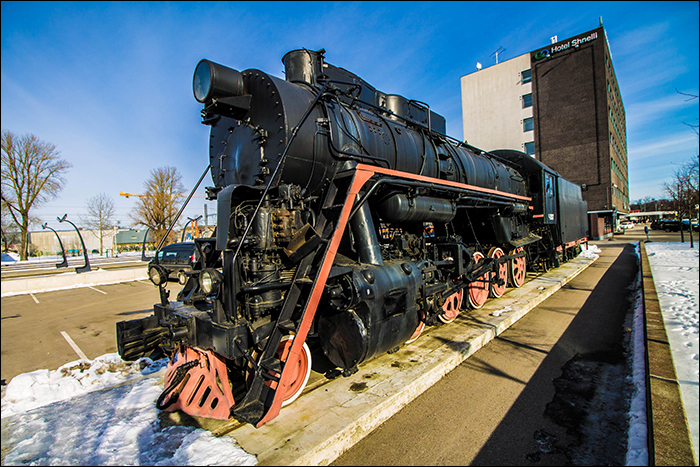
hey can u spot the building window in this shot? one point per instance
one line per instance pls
(530, 148)
(527, 100)
(528, 124)
(527, 76)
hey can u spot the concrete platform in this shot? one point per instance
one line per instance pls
(332, 415)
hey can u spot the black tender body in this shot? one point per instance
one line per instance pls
(306, 248)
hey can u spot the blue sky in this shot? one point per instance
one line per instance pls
(110, 84)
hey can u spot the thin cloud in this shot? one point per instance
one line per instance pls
(640, 113)
(644, 37)
(659, 148)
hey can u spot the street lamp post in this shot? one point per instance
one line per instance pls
(189, 220)
(86, 266)
(143, 246)
(63, 264)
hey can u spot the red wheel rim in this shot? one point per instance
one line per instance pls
(301, 371)
(300, 374)
(419, 329)
(501, 272)
(517, 267)
(479, 289)
(450, 309)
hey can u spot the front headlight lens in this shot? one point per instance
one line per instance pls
(182, 278)
(207, 283)
(157, 275)
(210, 281)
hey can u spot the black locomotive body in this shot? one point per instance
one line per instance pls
(345, 218)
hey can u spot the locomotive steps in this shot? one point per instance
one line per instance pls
(332, 415)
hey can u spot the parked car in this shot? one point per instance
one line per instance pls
(657, 224)
(687, 223)
(626, 224)
(177, 258)
(671, 225)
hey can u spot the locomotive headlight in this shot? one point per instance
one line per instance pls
(210, 280)
(212, 80)
(182, 278)
(157, 274)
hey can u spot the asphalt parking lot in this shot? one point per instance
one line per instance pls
(32, 324)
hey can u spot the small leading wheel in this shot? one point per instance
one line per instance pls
(478, 291)
(300, 374)
(501, 273)
(450, 309)
(516, 268)
(419, 329)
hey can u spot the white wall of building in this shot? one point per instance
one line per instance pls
(46, 241)
(492, 111)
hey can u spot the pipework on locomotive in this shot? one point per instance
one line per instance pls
(347, 220)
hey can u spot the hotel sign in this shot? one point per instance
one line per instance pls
(573, 43)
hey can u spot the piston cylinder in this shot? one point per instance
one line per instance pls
(383, 312)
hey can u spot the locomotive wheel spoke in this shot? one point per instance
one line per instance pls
(516, 269)
(502, 273)
(450, 309)
(478, 291)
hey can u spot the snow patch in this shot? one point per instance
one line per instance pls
(65, 417)
(42, 387)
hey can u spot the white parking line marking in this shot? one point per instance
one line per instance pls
(144, 282)
(34, 298)
(100, 291)
(74, 345)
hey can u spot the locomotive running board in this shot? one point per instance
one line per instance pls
(252, 408)
(532, 238)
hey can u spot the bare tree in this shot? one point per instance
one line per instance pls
(160, 203)
(8, 229)
(690, 98)
(684, 190)
(32, 174)
(100, 211)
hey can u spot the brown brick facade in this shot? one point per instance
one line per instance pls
(571, 86)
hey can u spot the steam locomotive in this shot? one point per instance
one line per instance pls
(346, 219)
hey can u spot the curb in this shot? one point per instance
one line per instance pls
(667, 426)
(71, 280)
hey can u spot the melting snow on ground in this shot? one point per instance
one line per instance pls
(66, 417)
(589, 251)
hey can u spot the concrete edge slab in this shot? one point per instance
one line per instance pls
(71, 280)
(668, 432)
(331, 417)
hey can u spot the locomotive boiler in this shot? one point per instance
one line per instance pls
(346, 219)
